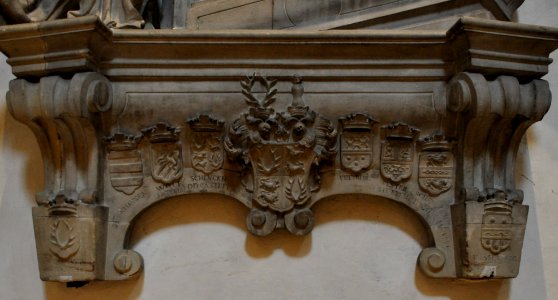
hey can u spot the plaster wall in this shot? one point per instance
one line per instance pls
(361, 248)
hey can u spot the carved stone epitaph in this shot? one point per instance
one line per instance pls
(432, 120)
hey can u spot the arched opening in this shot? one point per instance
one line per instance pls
(195, 242)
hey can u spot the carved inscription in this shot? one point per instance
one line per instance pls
(125, 166)
(398, 151)
(192, 184)
(166, 152)
(207, 144)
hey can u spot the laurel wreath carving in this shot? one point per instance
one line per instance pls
(248, 84)
(61, 245)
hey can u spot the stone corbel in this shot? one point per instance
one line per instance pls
(490, 117)
(65, 116)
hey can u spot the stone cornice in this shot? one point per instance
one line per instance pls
(85, 44)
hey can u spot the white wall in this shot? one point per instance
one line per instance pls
(360, 249)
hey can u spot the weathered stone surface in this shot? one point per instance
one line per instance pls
(259, 14)
(278, 121)
(341, 14)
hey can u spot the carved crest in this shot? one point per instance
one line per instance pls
(280, 147)
(436, 165)
(166, 153)
(496, 229)
(207, 144)
(63, 242)
(356, 142)
(124, 163)
(398, 151)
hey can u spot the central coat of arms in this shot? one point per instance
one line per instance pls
(280, 148)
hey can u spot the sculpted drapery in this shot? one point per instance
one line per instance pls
(115, 13)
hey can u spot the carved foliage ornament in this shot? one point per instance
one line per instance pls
(63, 238)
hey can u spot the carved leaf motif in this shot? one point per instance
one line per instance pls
(248, 84)
(63, 239)
(296, 190)
(272, 166)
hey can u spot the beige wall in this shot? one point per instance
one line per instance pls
(361, 248)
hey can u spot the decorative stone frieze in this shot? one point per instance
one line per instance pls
(278, 121)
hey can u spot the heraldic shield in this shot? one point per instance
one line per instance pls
(207, 152)
(166, 153)
(397, 159)
(207, 143)
(436, 164)
(281, 175)
(356, 142)
(126, 171)
(496, 229)
(398, 151)
(166, 162)
(125, 164)
(356, 151)
(436, 172)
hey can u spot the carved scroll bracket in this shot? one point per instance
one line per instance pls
(489, 118)
(66, 115)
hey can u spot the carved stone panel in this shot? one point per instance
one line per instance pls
(125, 119)
(491, 234)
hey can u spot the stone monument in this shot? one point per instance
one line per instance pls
(128, 114)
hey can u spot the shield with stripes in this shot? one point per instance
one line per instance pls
(126, 170)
